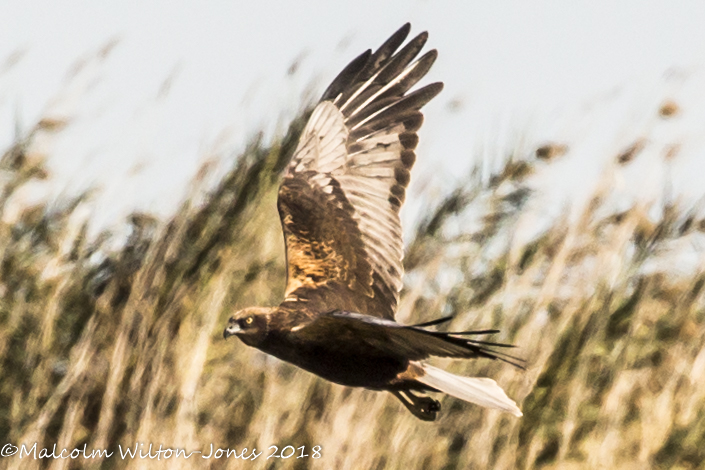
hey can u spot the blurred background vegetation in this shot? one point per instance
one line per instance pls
(103, 345)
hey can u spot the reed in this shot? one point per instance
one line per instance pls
(106, 347)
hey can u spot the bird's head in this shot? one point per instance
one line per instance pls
(250, 325)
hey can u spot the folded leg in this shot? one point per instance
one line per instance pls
(424, 408)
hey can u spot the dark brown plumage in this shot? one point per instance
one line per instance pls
(339, 205)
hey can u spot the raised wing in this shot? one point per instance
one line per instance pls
(340, 198)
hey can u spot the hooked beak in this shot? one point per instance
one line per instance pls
(231, 330)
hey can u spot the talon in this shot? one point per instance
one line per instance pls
(424, 408)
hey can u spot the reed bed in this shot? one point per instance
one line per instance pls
(108, 347)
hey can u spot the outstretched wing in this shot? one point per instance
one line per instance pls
(340, 198)
(407, 342)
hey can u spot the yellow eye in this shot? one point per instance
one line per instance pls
(249, 320)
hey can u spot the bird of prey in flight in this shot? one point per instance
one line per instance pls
(339, 204)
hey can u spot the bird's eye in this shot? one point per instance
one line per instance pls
(249, 320)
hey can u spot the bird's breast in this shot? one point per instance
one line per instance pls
(352, 365)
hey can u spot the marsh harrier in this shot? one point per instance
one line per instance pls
(339, 204)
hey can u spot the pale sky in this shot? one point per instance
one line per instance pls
(188, 80)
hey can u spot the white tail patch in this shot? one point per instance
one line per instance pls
(479, 390)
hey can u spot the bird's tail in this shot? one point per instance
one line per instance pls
(479, 390)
